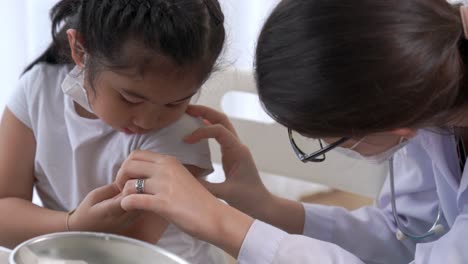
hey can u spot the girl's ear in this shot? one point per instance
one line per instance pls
(78, 52)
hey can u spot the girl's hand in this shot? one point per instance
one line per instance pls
(148, 227)
(174, 193)
(101, 211)
(243, 184)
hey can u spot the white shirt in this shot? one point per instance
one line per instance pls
(75, 155)
(427, 173)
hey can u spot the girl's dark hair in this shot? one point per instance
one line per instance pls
(185, 31)
(351, 68)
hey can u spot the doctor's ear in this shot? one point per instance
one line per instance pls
(78, 52)
(407, 133)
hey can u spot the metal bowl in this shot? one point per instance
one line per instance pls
(91, 248)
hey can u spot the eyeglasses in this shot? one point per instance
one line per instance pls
(317, 156)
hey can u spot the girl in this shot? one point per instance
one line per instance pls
(380, 80)
(118, 77)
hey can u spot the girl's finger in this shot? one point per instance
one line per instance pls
(103, 193)
(144, 202)
(110, 207)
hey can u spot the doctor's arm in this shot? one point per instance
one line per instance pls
(205, 216)
(367, 233)
(199, 213)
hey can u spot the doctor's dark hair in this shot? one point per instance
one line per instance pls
(187, 32)
(333, 68)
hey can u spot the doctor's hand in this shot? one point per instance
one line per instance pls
(243, 184)
(172, 192)
(243, 188)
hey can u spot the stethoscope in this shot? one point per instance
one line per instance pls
(436, 229)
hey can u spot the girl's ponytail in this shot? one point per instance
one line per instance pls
(58, 51)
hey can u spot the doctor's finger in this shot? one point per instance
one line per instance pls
(220, 133)
(136, 169)
(149, 187)
(213, 116)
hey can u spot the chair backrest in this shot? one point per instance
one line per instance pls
(271, 149)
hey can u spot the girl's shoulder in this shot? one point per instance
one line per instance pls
(170, 139)
(44, 80)
(44, 74)
(179, 129)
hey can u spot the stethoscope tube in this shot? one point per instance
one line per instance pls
(436, 229)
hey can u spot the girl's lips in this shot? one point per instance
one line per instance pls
(128, 131)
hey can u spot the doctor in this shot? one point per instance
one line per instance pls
(375, 79)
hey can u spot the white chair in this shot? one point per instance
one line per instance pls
(271, 148)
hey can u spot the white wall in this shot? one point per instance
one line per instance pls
(244, 19)
(25, 32)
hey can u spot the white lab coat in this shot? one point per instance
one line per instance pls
(427, 173)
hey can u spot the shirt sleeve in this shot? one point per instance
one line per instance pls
(280, 247)
(169, 141)
(18, 101)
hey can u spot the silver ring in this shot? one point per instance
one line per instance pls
(140, 186)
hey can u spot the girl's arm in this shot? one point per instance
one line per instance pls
(20, 219)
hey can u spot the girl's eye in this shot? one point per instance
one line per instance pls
(174, 105)
(179, 103)
(131, 100)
